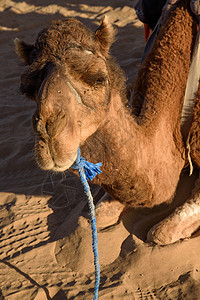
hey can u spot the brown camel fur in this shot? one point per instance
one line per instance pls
(81, 102)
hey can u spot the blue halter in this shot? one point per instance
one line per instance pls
(87, 171)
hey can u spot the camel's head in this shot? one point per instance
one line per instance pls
(68, 78)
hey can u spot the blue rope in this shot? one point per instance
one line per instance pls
(87, 171)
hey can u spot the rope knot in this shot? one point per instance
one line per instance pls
(91, 170)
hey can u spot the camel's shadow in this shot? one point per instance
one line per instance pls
(137, 221)
(72, 233)
(69, 227)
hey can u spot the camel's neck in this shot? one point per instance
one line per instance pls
(131, 160)
(142, 157)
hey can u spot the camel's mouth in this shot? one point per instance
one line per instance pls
(49, 159)
(66, 166)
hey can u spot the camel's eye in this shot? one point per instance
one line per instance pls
(87, 66)
(95, 80)
(101, 81)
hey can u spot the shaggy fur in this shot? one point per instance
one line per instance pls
(141, 148)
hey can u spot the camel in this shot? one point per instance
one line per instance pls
(81, 101)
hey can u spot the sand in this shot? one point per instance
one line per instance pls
(45, 246)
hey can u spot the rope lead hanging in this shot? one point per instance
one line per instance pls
(87, 171)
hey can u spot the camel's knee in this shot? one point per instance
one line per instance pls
(181, 224)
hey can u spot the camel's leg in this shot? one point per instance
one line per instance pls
(184, 221)
(108, 211)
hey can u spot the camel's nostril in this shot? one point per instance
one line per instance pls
(38, 125)
(60, 122)
(61, 115)
(56, 123)
(35, 119)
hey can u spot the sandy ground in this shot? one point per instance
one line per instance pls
(45, 248)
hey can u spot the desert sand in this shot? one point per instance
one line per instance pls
(45, 246)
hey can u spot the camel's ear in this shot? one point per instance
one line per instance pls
(105, 35)
(23, 50)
